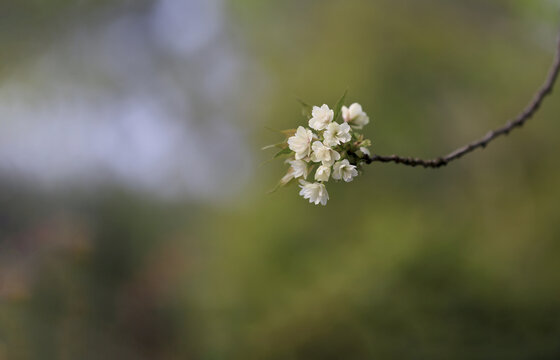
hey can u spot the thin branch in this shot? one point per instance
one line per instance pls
(525, 115)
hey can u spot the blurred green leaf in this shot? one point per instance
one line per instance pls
(305, 109)
(288, 132)
(339, 105)
(280, 145)
(285, 151)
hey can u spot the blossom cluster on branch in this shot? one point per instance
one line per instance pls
(330, 149)
(325, 150)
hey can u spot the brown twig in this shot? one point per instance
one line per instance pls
(525, 115)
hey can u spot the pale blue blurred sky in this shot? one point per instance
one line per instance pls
(145, 100)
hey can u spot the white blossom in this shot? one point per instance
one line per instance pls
(343, 170)
(286, 178)
(364, 151)
(323, 173)
(321, 117)
(300, 168)
(300, 143)
(315, 192)
(355, 115)
(326, 146)
(337, 134)
(324, 154)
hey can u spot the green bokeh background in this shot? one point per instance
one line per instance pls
(403, 263)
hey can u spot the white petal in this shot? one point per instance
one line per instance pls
(355, 110)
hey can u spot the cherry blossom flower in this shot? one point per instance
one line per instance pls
(300, 143)
(337, 134)
(300, 168)
(335, 150)
(323, 173)
(355, 116)
(297, 169)
(343, 170)
(324, 154)
(321, 117)
(315, 192)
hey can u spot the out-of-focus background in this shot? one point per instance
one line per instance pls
(134, 216)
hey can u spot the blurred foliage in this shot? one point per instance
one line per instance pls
(28, 26)
(456, 263)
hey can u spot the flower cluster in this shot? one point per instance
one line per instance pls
(325, 150)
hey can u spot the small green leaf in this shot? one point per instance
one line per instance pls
(305, 109)
(289, 132)
(273, 130)
(266, 162)
(273, 190)
(338, 107)
(281, 184)
(280, 145)
(285, 151)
